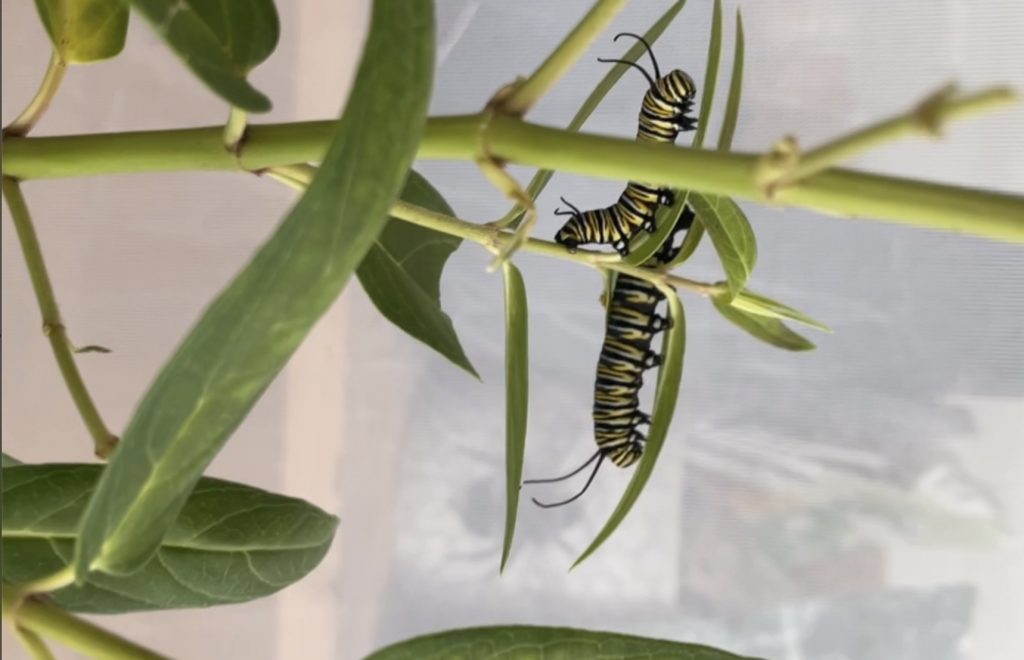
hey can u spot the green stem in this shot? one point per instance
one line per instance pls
(41, 101)
(835, 191)
(234, 130)
(927, 117)
(494, 239)
(42, 618)
(524, 96)
(33, 643)
(53, 327)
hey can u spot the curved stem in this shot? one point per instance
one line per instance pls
(40, 617)
(33, 643)
(41, 101)
(53, 327)
(234, 130)
(523, 97)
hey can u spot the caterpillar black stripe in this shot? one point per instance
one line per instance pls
(663, 115)
(632, 323)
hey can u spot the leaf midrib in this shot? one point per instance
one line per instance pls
(28, 534)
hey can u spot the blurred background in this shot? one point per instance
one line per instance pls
(860, 501)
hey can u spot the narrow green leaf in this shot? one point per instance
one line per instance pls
(731, 234)
(755, 303)
(710, 74)
(254, 542)
(251, 329)
(665, 396)
(517, 378)
(6, 461)
(543, 643)
(690, 243)
(219, 40)
(732, 111)
(732, 106)
(765, 328)
(645, 245)
(402, 274)
(85, 31)
(541, 178)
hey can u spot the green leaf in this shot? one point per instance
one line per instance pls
(765, 328)
(690, 243)
(6, 461)
(85, 31)
(542, 643)
(402, 274)
(755, 303)
(710, 75)
(732, 106)
(517, 380)
(219, 40)
(665, 396)
(251, 329)
(254, 542)
(731, 234)
(645, 245)
(542, 177)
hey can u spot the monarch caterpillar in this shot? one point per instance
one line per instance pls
(626, 354)
(663, 115)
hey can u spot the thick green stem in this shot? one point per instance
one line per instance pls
(41, 101)
(53, 327)
(523, 97)
(43, 618)
(834, 191)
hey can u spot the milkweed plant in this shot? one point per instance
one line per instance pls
(104, 538)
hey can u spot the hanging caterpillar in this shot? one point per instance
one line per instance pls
(663, 115)
(632, 322)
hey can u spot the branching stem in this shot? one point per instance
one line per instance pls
(927, 117)
(41, 618)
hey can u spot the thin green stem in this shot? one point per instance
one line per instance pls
(43, 618)
(493, 239)
(53, 327)
(31, 115)
(234, 130)
(927, 117)
(33, 643)
(523, 97)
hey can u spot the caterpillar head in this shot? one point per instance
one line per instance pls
(571, 233)
(569, 236)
